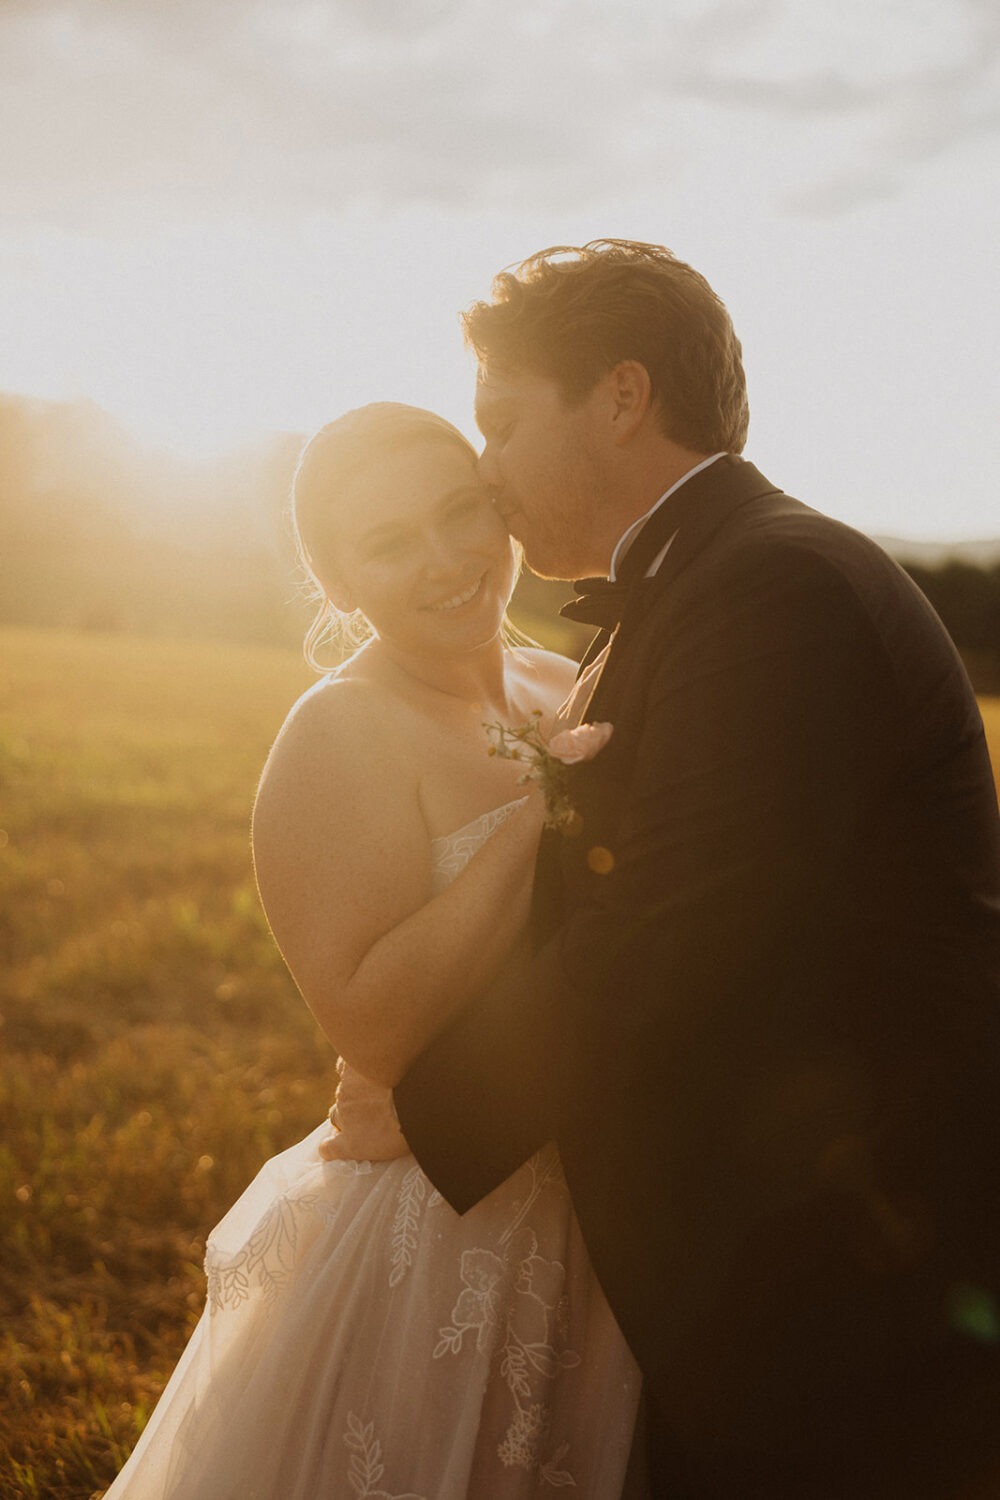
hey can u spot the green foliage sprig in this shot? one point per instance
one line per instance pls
(543, 766)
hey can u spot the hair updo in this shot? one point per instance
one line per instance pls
(334, 459)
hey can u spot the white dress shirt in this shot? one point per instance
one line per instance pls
(628, 536)
(572, 711)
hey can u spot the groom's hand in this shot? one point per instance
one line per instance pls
(365, 1122)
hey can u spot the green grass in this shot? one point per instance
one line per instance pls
(153, 1051)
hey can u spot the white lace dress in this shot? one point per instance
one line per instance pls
(363, 1342)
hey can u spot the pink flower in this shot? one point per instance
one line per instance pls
(581, 743)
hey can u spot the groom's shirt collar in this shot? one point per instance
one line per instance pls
(628, 537)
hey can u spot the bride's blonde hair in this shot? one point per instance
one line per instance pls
(333, 459)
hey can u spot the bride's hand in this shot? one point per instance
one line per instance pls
(365, 1122)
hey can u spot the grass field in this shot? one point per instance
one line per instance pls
(152, 1049)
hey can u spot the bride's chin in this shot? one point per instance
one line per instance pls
(476, 636)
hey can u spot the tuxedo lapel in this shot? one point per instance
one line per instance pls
(687, 521)
(692, 517)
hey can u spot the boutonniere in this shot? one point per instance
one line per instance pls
(547, 762)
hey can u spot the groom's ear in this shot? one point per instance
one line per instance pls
(631, 393)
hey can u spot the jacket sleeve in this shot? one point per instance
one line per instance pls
(761, 743)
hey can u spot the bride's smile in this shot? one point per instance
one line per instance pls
(465, 596)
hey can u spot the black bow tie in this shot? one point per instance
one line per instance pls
(601, 602)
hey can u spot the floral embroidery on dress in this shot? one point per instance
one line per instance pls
(519, 1297)
(268, 1257)
(545, 1167)
(478, 1307)
(403, 1240)
(556, 1477)
(366, 1467)
(349, 1168)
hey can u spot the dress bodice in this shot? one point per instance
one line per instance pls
(451, 853)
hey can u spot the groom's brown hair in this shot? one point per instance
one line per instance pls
(573, 312)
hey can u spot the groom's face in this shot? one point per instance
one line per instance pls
(543, 465)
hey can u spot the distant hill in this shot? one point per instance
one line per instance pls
(99, 532)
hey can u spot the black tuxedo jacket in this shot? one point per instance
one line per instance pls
(762, 1017)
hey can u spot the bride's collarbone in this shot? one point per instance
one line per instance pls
(460, 781)
(444, 758)
(527, 689)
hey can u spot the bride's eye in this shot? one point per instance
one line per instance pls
(387, 549)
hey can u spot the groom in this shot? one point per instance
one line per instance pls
(762, 1017)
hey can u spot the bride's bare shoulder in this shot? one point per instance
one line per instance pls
(342, 723)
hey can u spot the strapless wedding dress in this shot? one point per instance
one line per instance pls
(361, 1341)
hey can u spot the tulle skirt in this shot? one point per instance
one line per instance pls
(361, 1340)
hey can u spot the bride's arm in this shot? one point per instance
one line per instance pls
(343, 864)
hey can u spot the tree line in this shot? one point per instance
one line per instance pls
(967, 598)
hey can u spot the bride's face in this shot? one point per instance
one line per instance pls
(422, 551)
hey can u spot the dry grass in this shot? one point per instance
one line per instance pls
(991, 718)
(154, 1052)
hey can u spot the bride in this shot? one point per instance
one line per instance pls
(361, 1340)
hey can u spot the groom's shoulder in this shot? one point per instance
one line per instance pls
(779, 520)
(785, 537)
(788, 565)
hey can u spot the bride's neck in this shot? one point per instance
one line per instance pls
(475, 677)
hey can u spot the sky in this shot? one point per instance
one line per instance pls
(222, 218)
